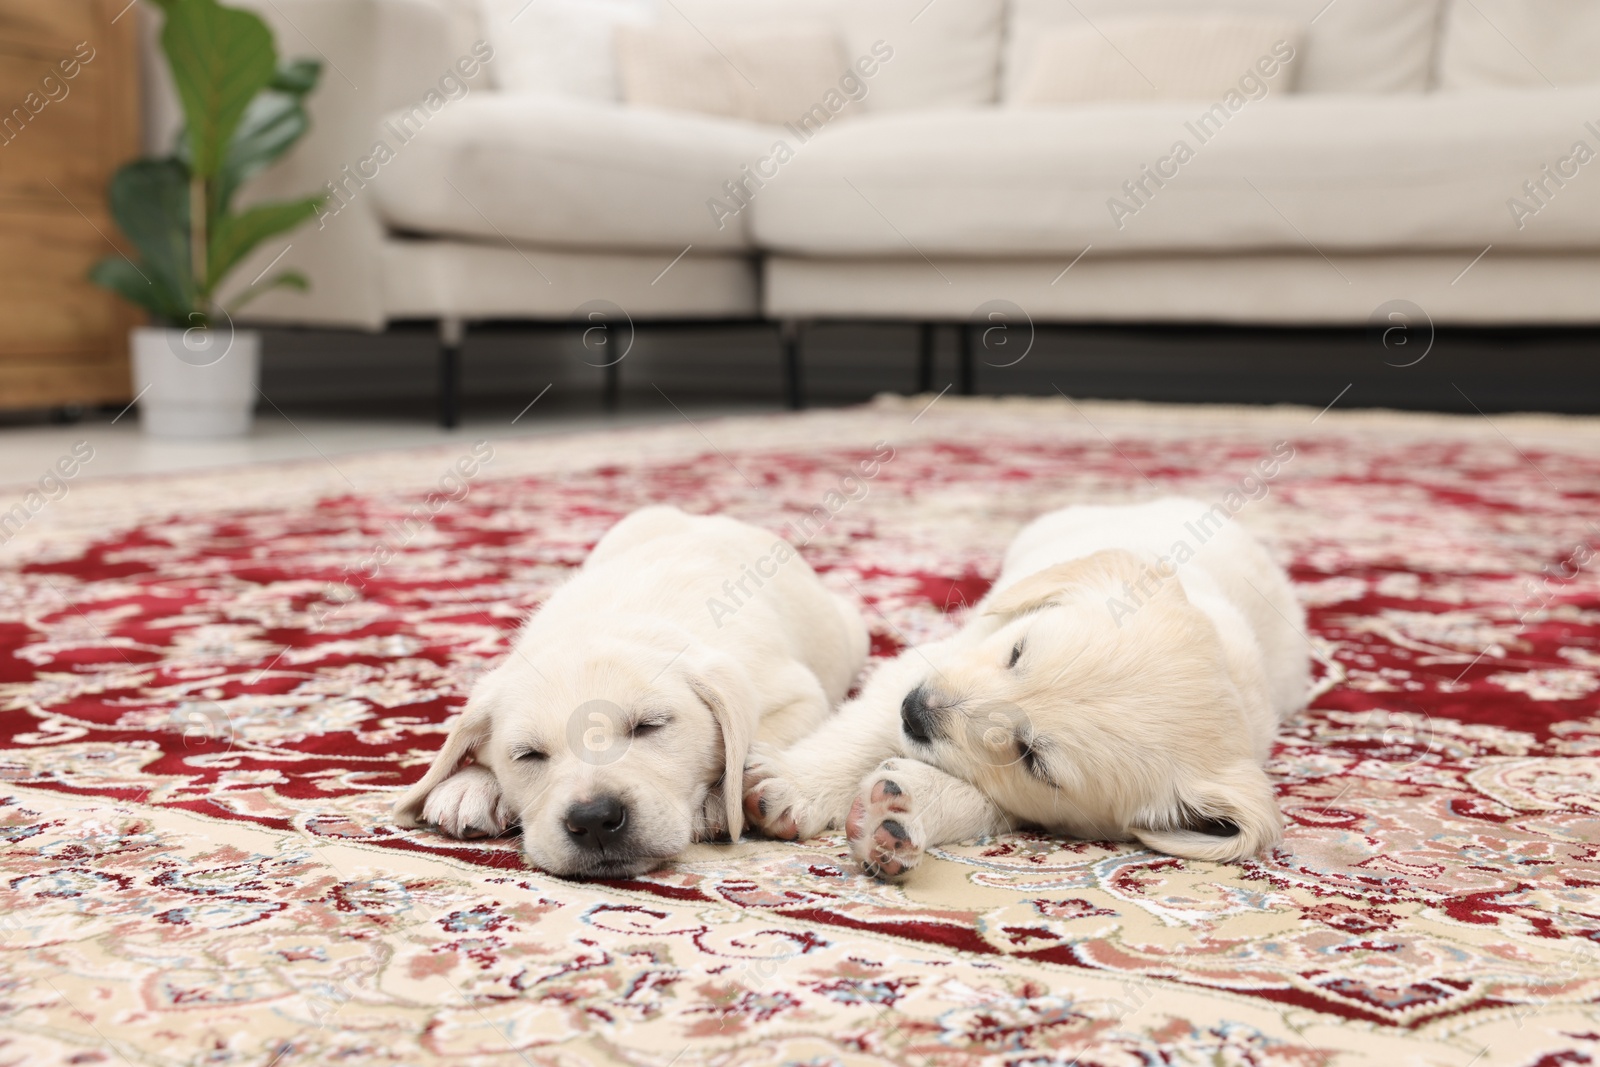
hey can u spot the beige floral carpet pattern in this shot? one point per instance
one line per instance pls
(212, 686)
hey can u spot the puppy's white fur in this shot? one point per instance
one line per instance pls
(628, 683)
(1056, 707)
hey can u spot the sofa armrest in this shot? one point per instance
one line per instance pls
(376, 55)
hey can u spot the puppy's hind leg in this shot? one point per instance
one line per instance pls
(905, 806)
(796, 706)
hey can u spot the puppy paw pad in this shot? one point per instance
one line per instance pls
(878, 831)
(886, 794)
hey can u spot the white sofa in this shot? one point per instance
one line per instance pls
(1388, 171)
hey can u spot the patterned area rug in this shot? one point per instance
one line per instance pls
(212, 687)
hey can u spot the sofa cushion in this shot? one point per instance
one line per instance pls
(1535, 43)
(1352, 46)
(1425, 171)
(1187, 58)
(944, 53)
(761, 74)
(558, 47)
(567, 173)
(477, 279)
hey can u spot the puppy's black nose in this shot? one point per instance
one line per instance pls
(596, 823)
(916, 718)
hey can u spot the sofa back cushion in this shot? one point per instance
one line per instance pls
(769, 75)
(1510, 43)
(558, 47)
(1198, 57)
(940, 54)
(1350, 46)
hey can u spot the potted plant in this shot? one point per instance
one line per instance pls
(194, 373)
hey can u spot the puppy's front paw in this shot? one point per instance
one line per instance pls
(884, 832)
(774, 803)
(770, 799)
(468, 804)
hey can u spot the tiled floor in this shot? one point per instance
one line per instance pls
(120, 448)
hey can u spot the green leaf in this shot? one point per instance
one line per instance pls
(140, 289)
(150, 201)
(271, 125)
(289, 279)
(273, 122)
(221, 58)
(298, 76)
(236, 236)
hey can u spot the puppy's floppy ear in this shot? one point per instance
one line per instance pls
(1228, 816)
(1108, 568)
(724, 688)
(471, 729)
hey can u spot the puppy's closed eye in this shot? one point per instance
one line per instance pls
(1032, 760)
(1016, 654)
(649, 725)
(529, 755)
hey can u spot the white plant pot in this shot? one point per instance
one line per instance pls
(196, 383)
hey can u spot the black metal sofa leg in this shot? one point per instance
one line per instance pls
(794, 384)
(613, 386)
(927, 335)
(966, 369)
(451, 333)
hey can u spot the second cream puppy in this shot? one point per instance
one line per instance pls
(1112, 684)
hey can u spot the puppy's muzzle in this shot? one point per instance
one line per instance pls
(918, 720)
(597, 825)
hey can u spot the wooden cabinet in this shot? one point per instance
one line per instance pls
(69, 116)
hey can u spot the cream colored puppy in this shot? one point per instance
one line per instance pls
(1123, 679)
(607, 731)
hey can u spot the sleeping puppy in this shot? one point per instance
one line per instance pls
(1122, 680)
(607, 731)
